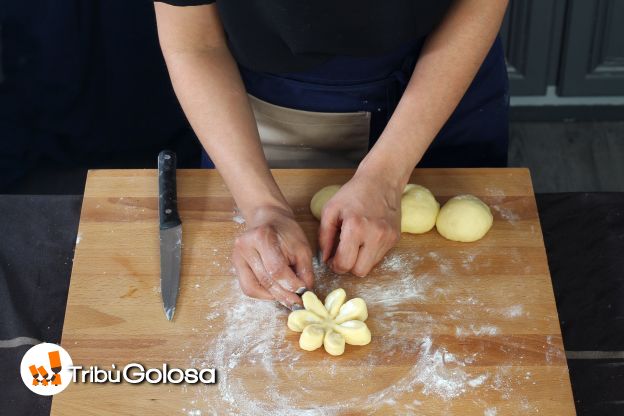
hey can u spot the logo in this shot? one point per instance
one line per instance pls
(45, 369)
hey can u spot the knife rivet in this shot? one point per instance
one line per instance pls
(167, 211)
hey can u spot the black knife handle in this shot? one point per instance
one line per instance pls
(167, 195)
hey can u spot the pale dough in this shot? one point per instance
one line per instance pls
(331, 324)
(464, 218)
(320, 199)
(419, 207)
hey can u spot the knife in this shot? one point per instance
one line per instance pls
(170, 232)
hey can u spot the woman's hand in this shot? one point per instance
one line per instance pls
(273, 258)
(363, 222)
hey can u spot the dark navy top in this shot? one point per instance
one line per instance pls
(280, 36)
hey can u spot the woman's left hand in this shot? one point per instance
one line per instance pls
(362, 220)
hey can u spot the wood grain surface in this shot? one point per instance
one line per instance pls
(458, 328)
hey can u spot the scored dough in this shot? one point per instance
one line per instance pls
(332, 324)
(464, 218)
(419, 207)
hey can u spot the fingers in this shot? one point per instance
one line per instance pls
(328, 231)
(247, 279)
(379, 239)
(255, 280)
(362, 245)
(368, 256)
(348, 247)
(276, 263)
(303, 266)
(363, 218)
(267, 282)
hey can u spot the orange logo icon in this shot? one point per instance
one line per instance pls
(55, 366)
(45, 369)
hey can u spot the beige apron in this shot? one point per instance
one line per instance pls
(307, 139)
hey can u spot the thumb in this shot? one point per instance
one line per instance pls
(328, 232)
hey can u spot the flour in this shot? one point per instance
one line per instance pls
(408, 287)
(255, 336)
(468, 261)
(495, 192)
(398, 262)
(478, 380)
(486, 330)
(490, 412)
(437, 376)
(468, 301)
(213, 315)
(496, 197)
(513, 311)
(444, 264)
(502, 382)
(506, 213)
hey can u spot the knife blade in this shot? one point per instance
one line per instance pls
(170, 232)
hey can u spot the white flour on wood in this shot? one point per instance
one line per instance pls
(262, 370)
(506, 213)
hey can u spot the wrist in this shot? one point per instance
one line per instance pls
(389, 174)
(387, 184)
(261, 213)
(257, 193)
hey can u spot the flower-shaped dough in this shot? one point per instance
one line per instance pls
(332, 324)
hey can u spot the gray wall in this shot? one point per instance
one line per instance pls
(575, 46)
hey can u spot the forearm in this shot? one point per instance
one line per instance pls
(213, 97)
(208, 85)
(447, 65)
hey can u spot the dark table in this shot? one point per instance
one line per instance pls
(583, 233)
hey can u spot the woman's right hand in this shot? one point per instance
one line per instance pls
(273, 258)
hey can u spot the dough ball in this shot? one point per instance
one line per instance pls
(320, 199)
(464, 218)
(419, 209)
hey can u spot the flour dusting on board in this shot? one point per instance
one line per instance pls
(513, 311)
(506, 213)
(490, 412)
(255, 345)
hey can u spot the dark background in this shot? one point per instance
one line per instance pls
(83, 85)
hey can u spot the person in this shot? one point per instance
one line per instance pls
(381, 86)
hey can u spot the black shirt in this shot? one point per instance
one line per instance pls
(287, 35)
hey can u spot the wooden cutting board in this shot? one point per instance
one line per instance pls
(458, 328)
